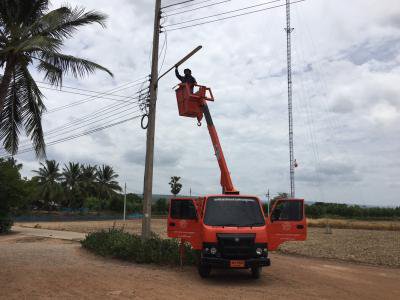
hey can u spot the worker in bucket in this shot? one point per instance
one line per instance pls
(188, 78)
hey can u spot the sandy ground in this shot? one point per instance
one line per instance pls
(42, 268)
(355, 245)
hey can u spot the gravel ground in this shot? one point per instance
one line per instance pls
(355, 245)
(41, 268)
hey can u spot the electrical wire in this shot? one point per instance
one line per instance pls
(197, 8)
(81, 94)
(189, 5)
(178, 3)
(90, 131)
(89, 116)
(83, 90)
(92, 98)
(223, 13)
(230, 17)
(96, 116)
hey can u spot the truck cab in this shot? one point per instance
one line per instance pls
(232, 231)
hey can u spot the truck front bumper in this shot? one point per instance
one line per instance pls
(217, 262)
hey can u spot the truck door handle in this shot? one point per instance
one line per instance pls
(300, 226)
(171, 224)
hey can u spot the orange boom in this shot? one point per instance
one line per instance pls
(229, 230)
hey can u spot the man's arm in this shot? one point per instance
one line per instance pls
(178, 75)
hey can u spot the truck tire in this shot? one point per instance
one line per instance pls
(255, 272)
(204, 270)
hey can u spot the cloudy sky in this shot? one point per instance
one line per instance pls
(346, 60)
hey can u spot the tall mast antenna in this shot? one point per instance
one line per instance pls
(289, 31)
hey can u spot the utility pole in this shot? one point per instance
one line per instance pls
(148, 169)
(268, 199)
(289, 31)
(125, 202)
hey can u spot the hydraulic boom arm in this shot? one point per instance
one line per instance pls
(226, 181)
(194, 105)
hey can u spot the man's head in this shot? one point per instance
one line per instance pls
(187, 72)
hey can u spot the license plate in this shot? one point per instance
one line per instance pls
(237, 263)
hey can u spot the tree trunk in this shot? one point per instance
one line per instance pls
(5, 83)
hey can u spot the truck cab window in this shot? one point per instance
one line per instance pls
(288, 211)
(183, 209)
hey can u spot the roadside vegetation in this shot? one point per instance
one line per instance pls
(117, 243)
(72, 188)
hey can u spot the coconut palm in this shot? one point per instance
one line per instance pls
(32, 36)
(72, 182)
(48, 178)
(107, 186)
(89, 179)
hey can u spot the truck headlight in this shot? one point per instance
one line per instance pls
(213, 250)
(259, 251)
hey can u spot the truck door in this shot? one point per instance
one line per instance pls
(184, 221)
(286, 222)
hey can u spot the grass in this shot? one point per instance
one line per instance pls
(354, 224)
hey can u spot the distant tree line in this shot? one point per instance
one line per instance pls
(72, 187)
(334, 210)
(320, 210)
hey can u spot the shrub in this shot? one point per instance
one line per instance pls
(92, 203)
(119, 244)
(6, 223)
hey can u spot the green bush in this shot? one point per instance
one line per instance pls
(92, 203)
(6, 223)
(119, 244)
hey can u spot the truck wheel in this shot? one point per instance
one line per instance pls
(255, 272)
(204, 270)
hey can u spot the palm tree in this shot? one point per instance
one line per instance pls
(48, 178)
(31, 35)
(107, 186)
(175, 185)
(89, 179)
(72, 182)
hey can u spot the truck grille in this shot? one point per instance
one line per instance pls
(236, 246)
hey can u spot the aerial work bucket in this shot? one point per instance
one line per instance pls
(190, 104)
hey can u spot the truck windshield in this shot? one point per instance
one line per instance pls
(233, 211)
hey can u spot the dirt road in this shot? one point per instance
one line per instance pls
(42, 268)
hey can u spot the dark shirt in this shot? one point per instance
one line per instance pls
(185, 79)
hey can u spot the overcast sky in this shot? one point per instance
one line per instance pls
(346, 98)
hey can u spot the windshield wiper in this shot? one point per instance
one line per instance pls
(252, 224)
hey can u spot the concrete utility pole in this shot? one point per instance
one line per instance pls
(148, 169)
(125, 202)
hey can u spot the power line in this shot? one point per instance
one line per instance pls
(93, 116)
(179, 3)
(223, 13)
(197, 8)
(103, 118)
(189, 5)
(81, 94)
(89, 116)
(91, 131)
(230, 17)
(83, 90)
(92, 98)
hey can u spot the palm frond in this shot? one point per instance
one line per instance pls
(78, 67)
(64, 21)
(11, 118)
(53, 74)
(32, 113)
